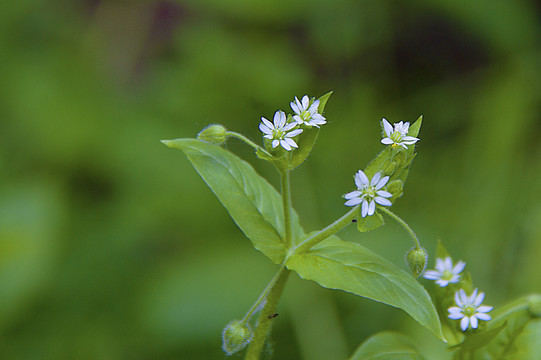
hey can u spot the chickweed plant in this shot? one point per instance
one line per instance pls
(454, 312)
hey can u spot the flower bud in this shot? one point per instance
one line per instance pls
(214, 134)
(534, 305)
(235, 336)
(396, 187)
(416, 259)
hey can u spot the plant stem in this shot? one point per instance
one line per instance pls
(286, 203)
(247, 141)
(263, 295)
(328, 231)
(266, 318)
(403, 223)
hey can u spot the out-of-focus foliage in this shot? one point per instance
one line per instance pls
(111, 247)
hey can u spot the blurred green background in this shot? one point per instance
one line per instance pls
(112, 247)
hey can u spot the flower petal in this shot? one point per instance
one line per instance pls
(474, 322)
(432, 275)
(384, 193)
(484, 308)
(291, 142)
(364, 208)
(285, 145)
(353, 202)
(294, 133)
(371, 208)
(268, 123)
(459, 267)
(464, 323)
(352, 194)
(479, 299)
(442, 283)
(279, 119)
(382, 182)
(387, 127)
(275, 143)
(383, 201)
(375, 179)
(305, 102)
(481, 316)
(361, 180)
(265, 129)
(387, 141)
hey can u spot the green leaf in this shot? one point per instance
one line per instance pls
(254, 205)
(369, 223)
(306, 142)
(337, 264)
(478, 340)
(308, 137)
(387, 346)
(520, 338)
(323, 102)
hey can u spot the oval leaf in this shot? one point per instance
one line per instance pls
(254, 205)
(387, 346)
(338, 264)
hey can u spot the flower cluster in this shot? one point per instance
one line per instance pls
(281, 132)
(468, 309)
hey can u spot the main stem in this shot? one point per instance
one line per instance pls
(403, 223)
(266, 317)
(286, 204)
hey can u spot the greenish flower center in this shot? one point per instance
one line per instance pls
(305, 115)
(469, 310)
(396, 136)
(278, 134)
(447, 275)
(370, 191)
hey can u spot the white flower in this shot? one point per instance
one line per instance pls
(368, 193)
(305, 114)
(445, 272)
(280, 133)
(398, 135)
(469, 309)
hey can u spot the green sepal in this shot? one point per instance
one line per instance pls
(347, 266)
(369, 223)
(308, 137)
(387, 346)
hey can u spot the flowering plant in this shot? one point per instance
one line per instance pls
(270, 222)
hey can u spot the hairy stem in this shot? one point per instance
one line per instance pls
(286, 203)
(403, 223)
(267, 316)
(247, 141)
(328, 231)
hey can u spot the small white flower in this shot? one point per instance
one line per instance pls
(397, 136)
(280, 133)
(368, 193)
(445, 272)
(307, 114)
(469, 309)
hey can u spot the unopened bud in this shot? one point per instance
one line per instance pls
(534, 305)
(396, 187)
(214, 134)
(235, 336)
(416, 259)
